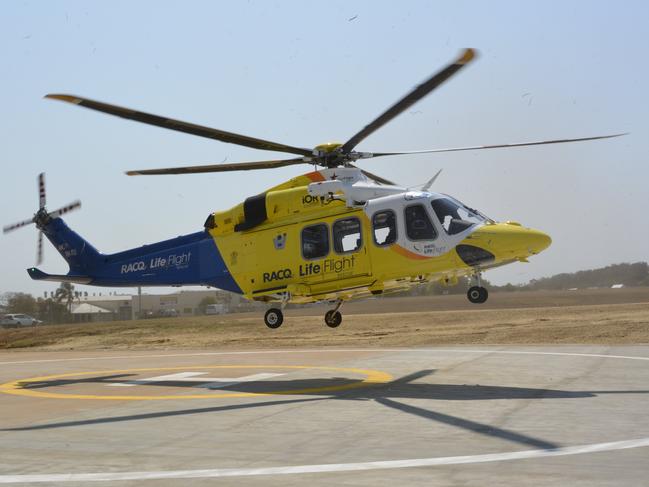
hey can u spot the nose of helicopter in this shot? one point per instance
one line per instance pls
(537, 241)
(509, 241)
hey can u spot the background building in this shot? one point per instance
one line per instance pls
(127, 307)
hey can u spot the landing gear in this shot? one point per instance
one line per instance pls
(333, 318)
(274, 318)
(477, 294)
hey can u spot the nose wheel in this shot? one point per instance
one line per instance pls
(477, 294)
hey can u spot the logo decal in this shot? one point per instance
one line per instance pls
(280, 241)
(133, 266)
(176, 261)
(328, 265)
(277, 275)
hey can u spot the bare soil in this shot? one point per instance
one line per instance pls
(600, 316)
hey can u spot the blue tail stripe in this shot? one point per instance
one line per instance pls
(186, 260)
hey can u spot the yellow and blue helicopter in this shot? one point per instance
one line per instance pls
(331, 235)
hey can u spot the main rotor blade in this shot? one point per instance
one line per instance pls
(497, 146)
(15, 226)
(66, 209)
(41, 190)
(235, 166)
(188, 128)
(410, 99)
(39, 252)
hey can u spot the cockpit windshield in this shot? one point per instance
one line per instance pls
(454, 216)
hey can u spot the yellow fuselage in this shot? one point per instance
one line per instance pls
(267, 261)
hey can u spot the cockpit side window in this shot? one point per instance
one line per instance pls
(384, 227)
(454, 217)
(418, 224)
(315, 241)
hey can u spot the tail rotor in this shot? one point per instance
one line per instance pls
(42, 217)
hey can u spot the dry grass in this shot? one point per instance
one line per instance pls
(622, 319)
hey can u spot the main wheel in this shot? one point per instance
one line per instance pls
(274, 318)
(333, 319)
(484, 294)
(477, 295)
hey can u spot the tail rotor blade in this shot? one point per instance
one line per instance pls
(41, 190)
(39, 252)
(66, 209)
(15, 226)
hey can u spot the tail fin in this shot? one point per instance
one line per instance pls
(80, 255)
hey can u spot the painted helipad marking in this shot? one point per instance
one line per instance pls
(327, 467)
(342, 467)
(338, 350)
(196, 378)
(372, 377)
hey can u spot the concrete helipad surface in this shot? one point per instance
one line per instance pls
(451, 416)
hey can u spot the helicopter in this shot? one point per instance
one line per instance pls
(331, 235)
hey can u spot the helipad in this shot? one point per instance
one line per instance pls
(574, 415)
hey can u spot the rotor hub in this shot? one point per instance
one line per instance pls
(326, 148)
(41, 217)
(330, 155)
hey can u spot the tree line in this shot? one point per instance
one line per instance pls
(629, 275)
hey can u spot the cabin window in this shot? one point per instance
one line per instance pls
(418, 224)
(384, 226)
(347, 235)
(315, 241)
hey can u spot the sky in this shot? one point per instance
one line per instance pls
(303, 73)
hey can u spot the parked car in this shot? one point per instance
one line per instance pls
(19, 320)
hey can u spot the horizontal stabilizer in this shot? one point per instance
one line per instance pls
(39, 275)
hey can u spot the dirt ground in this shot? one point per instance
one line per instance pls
(600, 316)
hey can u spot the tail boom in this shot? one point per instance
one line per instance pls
(192, 259)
